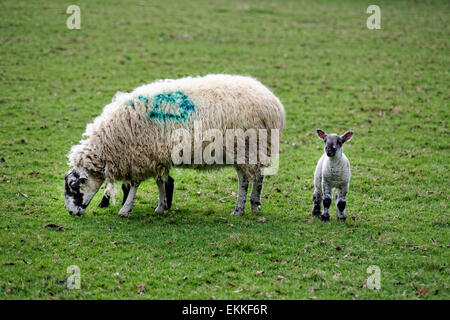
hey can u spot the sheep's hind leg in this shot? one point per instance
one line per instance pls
(128, 205)
(255, 197)
(242, 196)
(169, 184)
(165, 189)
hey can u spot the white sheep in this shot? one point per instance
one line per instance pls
(332, 172)
(132, 140)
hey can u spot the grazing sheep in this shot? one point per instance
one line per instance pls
(133, 139)
(332, 172)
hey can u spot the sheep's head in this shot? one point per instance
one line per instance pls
(80, 188)
(333, 142)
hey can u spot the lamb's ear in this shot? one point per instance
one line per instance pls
(321, 134)
(347, 136)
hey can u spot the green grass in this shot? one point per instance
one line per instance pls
(390, 86)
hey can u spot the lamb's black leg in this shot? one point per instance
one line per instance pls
(317, 199)
(326, 207)
(126, 190)
(169, 186)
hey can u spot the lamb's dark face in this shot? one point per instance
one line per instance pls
(79, 190)
(333, 142)
(333, 145)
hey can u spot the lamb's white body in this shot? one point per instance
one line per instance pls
(332, 173)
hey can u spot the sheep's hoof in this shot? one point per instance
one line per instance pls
(160, 209)
(325, 218)
(342, 218)
(256, 209)
(124, 214)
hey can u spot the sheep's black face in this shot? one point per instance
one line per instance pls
(79, 190)
(333, 142)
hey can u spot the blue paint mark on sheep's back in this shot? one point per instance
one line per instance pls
(130, 103)
(176, 98)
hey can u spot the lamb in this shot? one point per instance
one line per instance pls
(133, 139)
(332, 172)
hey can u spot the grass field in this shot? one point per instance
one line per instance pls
(390, 86)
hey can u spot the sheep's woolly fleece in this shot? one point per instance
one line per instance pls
(131, 139)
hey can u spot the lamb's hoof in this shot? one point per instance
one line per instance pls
(255, 205)
(342, 218)
(124, 214)
(316, 214)
(325, 218)
(237, 213)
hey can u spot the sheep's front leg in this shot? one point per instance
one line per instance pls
(326, 203)
(242, 196)
(105, 201)
(106, 198)
(128, 205)
(255, 197)
(165, 189)
(341, 201)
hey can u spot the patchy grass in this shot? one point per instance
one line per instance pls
(390, 86)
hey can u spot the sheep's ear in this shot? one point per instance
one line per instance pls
(347, 136)
(321, 134)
